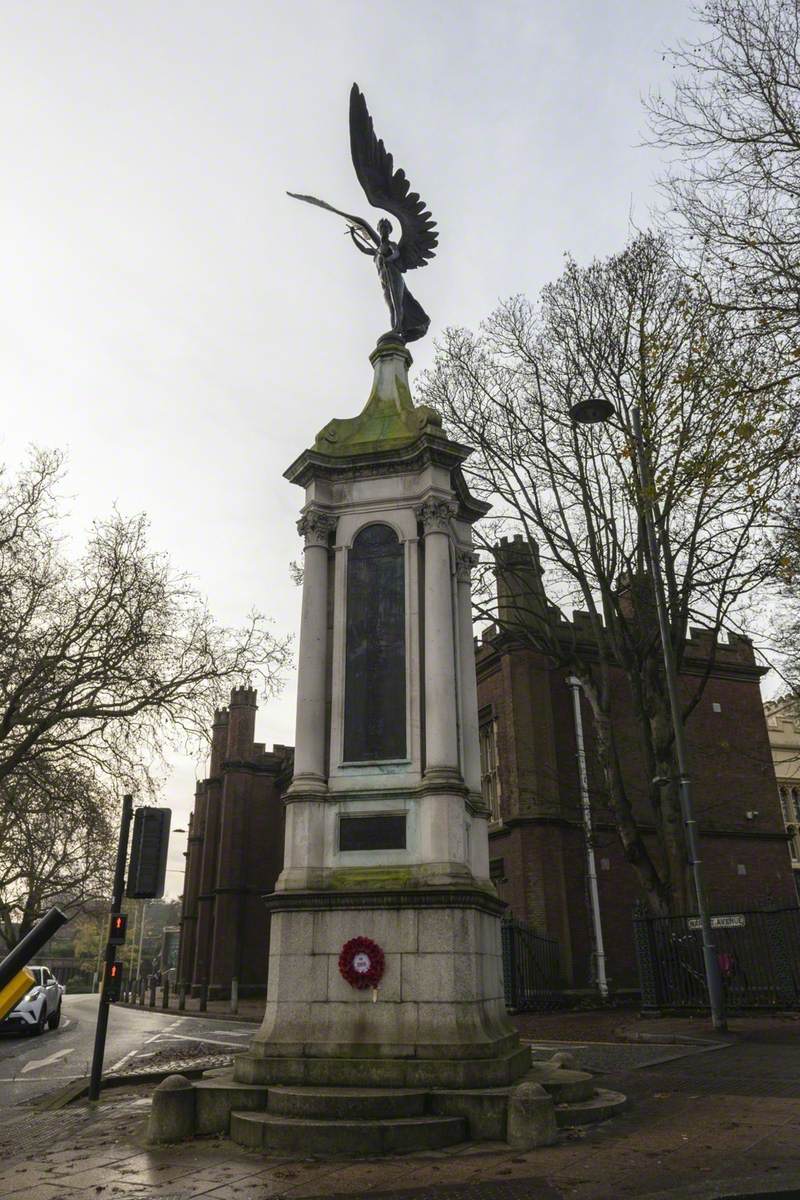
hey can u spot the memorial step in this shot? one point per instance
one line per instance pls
(564, 1085)
(406, 1073)
(345, 1103)
(353, 1139)
(603, 1105)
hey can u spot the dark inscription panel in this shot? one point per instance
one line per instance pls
(381, 831)
(375, 674)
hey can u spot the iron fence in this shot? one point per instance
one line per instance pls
(530, 968)
(758, 951)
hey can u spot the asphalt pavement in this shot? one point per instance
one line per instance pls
(30, 1065)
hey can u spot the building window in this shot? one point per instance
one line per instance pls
(375, 672)
(497, 870)
(790, 807)
(490, 781)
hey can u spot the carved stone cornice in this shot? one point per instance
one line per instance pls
(315, 526)
(436, 514)
(418, 897)
(465, 561)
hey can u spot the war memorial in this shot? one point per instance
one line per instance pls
(385, 1028)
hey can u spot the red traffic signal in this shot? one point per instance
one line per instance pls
(113, 980)
(118, 928)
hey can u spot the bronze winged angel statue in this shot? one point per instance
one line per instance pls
(388, 189)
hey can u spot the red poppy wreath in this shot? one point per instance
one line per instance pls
(361, 963)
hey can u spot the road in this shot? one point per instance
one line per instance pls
(32, 1065)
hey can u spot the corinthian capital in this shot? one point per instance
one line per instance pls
(315, 526)
(465, 561)
(435, 515)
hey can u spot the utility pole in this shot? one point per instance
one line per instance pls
(574, 685)
(713, 981)
(143, 904)
(111, 951)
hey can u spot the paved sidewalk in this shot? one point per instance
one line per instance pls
(709, 1124)
(217, 1010)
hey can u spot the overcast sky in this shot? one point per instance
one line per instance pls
(183, 329)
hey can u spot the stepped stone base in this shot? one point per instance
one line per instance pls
(318, 1118)
(384, 1072)
(353, 1139)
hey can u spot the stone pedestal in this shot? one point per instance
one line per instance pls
(386, 832)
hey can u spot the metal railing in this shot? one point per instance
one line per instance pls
(531, 973)
(758, 952)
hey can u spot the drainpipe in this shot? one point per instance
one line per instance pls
(591, 870)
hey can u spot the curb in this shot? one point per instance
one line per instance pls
(667, 1039)
(190, 1012)
(76, 1090)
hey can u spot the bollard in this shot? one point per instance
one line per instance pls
(531, 1117)
(234, 995)
(172, 1116)
(165, 993)
(152, 992)
(141, 991)
(181, 996)
(203, 998)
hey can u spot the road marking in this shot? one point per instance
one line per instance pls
(233, 1032)
(66, 1024)
(45, 1062)
(132, 1053)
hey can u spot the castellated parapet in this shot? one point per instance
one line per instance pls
(234, 855)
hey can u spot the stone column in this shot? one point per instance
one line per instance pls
(470, 747)
(309, 754)
(441, 716)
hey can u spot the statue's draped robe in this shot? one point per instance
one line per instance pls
(414, 320)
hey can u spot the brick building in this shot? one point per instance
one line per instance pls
(234, 855)
(530, 778)
(783, 727)
(530, 782)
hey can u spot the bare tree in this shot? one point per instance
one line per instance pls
(55, 836)
(106, 657)
(786, 562)
(631, 330)
(733, 121)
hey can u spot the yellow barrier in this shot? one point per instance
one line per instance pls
(14, 990)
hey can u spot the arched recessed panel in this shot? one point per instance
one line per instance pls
(375, 672)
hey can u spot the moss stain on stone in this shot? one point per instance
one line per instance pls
(378, 878)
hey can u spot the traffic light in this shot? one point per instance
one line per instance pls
(118, 929)
(148, 864)
(113, 980)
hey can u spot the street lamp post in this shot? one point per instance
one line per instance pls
(592, 412)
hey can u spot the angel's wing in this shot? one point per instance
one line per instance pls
(362, 224)
(387, 188)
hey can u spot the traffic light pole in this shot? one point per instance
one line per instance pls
(111, 951)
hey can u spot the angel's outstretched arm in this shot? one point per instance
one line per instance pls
(360, 242)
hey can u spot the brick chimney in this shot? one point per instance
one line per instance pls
(241, 723)
(219, 740)
(636, 601)
(521, 599)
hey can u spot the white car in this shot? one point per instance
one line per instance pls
(39, 1007)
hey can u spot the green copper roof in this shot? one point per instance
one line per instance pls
(389, 420)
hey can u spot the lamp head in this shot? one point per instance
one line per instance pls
(592, 411)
